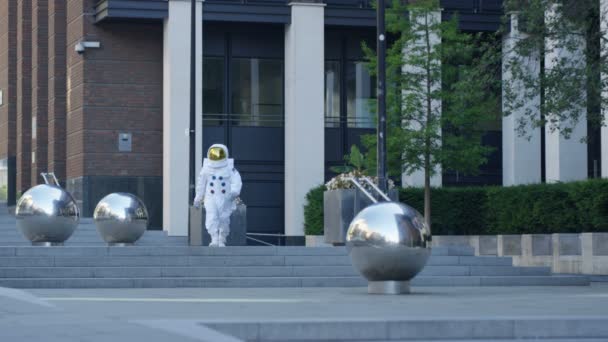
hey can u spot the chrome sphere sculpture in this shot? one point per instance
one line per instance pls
(47, 215)
(121, 218)
(389, 243)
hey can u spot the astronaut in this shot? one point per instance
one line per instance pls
(218, 186)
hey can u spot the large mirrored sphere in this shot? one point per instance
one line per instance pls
(47, 214)
(388, 241)
(121, 218)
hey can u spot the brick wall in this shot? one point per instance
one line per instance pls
(40, 77)
(117, 88)
(57, 87)
(8, 78)
(111, 90)
(81, 102)
(124, 94)
(24, 93)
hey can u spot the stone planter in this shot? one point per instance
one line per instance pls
(198, 235)
(316, 241)
(585, 253)
(340, 207)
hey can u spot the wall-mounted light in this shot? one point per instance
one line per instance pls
(81, 46)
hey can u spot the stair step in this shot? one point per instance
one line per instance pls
(171, 282)
(240, 271)
(439, 254)
(175, 272)
(93, 256)
(59, 251)
(478, 329)
(553, 280)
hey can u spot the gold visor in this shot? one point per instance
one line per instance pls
(216, 153)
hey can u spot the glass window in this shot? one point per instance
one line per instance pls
(332, 94)
(213, 90)
(257, 92)
(360, 92)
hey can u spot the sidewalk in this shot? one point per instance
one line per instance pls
(314, 313)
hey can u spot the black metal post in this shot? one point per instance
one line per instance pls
(381, 91)
(192, 135)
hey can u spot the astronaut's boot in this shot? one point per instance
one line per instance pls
(223, 234)
(214, 241)
(222, 241)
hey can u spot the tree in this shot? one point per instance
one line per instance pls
(441, 85)
(570, 87)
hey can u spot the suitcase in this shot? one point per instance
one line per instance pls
(198, 235)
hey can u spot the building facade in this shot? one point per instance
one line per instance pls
(98, 93)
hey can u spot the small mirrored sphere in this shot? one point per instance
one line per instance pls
(389, 241)
(47, 214)
(121, 218)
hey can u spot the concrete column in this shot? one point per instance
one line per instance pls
(304, 121)
(565, 159)
(176, 113)
(416, 179)
(521, 155)
(604, 76)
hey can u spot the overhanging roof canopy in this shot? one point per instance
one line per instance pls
(475, 15)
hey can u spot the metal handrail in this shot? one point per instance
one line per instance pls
(375, 187)
(369, 196)
(247, 235)
(259, 241)
(45, 176)
(265, 234)
(358, 185)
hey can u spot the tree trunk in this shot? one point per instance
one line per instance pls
(429, 121)
(427, 198)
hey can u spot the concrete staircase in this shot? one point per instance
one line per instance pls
(85, 235)
(183, 266)
(161, 261)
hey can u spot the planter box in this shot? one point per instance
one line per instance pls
(198, 235)
(316, 241)
(340, 207)
(585, 253)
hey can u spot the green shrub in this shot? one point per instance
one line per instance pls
(526, 209)
(313, 211)
(591, 200)
(538, 209)
(3, 191)
(454, 211)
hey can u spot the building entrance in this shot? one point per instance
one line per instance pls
(243, 108)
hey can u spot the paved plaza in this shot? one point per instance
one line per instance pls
(430, 313)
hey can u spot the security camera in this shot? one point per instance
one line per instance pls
(79, 48)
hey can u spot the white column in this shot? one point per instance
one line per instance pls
(604, 76)
(416, 179)
(521, 155)
(304, 117)
(565, 159)
(199, 153)
(176, 113)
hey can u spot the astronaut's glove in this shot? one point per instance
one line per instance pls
(197, 203)
(234, 196)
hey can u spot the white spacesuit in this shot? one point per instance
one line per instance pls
(218, 185)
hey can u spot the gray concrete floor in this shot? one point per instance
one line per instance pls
(176, 314)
